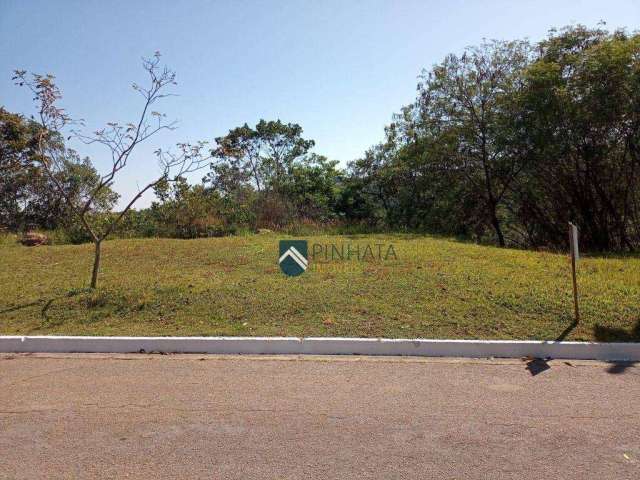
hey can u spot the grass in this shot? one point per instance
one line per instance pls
(437, 288)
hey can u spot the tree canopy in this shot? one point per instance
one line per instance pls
(505, 142)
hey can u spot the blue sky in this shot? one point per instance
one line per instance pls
(338, 68)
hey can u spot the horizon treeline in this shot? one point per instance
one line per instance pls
(505, 143)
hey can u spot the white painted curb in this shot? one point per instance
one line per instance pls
(324, 346)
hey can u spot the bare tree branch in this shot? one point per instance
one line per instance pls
(120, 140)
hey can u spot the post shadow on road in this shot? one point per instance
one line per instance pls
(602, 334)
(613, 334)
(537, 366)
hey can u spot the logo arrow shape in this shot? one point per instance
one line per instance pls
(296, 256)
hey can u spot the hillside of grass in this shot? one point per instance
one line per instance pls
(435, 288)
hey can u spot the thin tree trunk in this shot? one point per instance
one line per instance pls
(496, 226)
(96, 265)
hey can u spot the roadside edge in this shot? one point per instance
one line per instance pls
(324, 346)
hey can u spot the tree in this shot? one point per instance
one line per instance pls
(313, 186)
(261, 158)
(120, 140)
(48, 209)
(17, 166)
(187, 211)
(470, 100)
(582, 105)
(264, 154)
(449, 159)
(516, 140)
(28, 198)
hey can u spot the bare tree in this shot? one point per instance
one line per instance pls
(120, 139)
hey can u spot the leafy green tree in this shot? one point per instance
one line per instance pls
(582, 107)
(187, 211)
(17, 166)
(470, 100)
(313, 186)
(518, 140)
(449, 159)
(272, 160)
(28, 197)
(264, 155)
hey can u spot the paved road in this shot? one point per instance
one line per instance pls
(145, 416)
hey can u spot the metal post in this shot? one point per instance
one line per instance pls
(573, 242)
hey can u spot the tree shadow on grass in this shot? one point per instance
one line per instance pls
(613, 334)
(20, 307)
(45, 302)
(612, 255)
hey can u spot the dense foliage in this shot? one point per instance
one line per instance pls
(28, 197)
(509, 142)
(505, 143)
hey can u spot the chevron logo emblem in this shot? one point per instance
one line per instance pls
(294, 258)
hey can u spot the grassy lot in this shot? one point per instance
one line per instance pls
(437, 288)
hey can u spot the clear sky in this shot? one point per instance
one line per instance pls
(338, 68)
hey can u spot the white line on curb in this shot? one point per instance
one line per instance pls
(324, 346)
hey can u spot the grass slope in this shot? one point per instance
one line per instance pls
(437, 288)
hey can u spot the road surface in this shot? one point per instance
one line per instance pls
(241, 417)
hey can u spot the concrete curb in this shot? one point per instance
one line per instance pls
(324, 346)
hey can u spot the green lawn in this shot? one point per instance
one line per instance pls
(436, 288)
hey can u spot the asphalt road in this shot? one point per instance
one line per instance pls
(146, 416)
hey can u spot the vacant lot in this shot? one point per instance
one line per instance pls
(436, 288)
